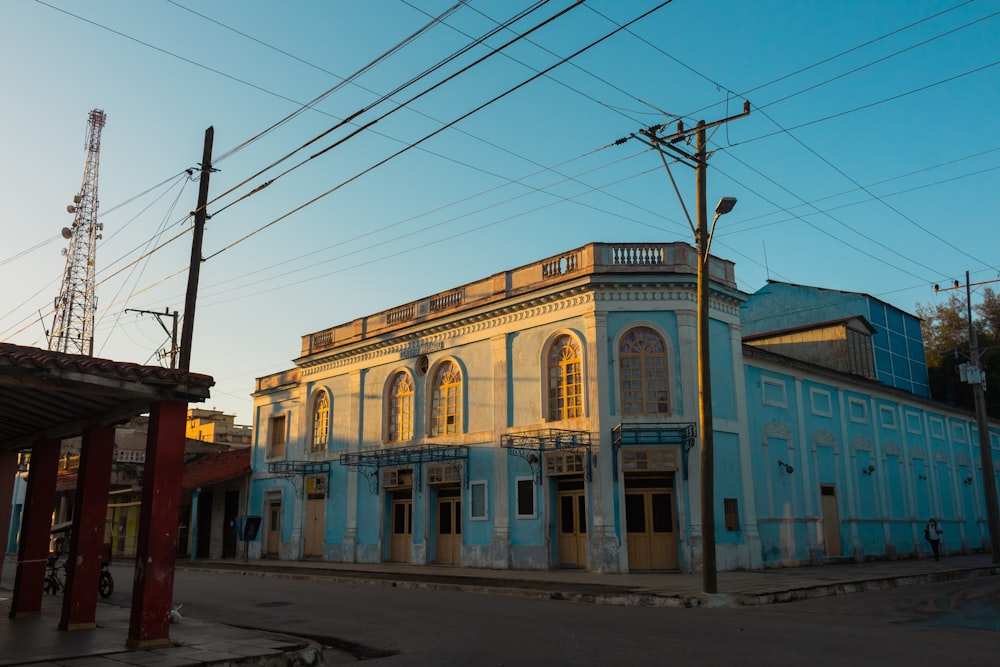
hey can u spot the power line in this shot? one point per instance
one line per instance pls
(441, 129)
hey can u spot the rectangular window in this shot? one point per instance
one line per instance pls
(444, 473)
(887, 417)
(478, 501)
(858, 410)
(821, 402)
(773, 392)
(526, 498)
(732, 510)
(564, 464)
(276, 438)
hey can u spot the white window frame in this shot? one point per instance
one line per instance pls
(766, 382)
(485, 515)
(857, 410)
(816, 395)
(517, 498)
(887, 417)
(913, 422)
(937, 428)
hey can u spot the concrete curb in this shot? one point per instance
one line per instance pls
(628, 598)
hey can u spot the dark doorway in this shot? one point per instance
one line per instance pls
(229, 521)
(204, 524)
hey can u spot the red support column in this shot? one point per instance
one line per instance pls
(83, 564)
(8, 473)
(36, 524)
(152, 588)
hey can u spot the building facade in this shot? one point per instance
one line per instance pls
(546, 417)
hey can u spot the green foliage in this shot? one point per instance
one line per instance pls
(945, 328)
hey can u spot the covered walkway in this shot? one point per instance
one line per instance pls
(46, 396)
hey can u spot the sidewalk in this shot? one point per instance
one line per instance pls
(36, 641)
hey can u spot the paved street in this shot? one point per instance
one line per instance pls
(945, 623)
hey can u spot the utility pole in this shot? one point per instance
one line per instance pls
(172, 332)
(200, 215)
(703, 241)
(975, 376)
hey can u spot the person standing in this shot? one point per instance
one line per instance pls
(933, 535)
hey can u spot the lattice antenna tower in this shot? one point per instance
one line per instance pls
(73, 325)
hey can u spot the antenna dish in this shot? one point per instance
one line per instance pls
(71, 209)
(66, 233)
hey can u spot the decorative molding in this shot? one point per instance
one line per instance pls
(941, 456)
(776, 430)
(824, 438)
(861, 444)
(891, 449)
(917, 452)
(962, 459)
(438, 336)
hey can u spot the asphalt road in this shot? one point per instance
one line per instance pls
(949, 623)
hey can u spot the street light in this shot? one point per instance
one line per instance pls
(725, 205)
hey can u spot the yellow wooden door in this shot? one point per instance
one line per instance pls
(831, 520)
(402, 530)
(315, 528)
(449, 530)
(649, 519)
(572, 528)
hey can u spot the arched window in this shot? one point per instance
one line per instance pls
(400, 417)
(446, 403)
(321, 422)
(565, 379)
(642, 370)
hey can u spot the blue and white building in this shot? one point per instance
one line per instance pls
(546, 416)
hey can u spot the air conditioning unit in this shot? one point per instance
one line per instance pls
(390, 479)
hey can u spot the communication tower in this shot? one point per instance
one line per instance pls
(73, 325)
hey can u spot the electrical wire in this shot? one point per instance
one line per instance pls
(387, 96)
(442, 129)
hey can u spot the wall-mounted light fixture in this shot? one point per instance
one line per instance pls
(924, 477)
(789, 469)
(967, 480)
(869, 470)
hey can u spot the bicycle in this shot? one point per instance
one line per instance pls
(105, 584)
(55, 581)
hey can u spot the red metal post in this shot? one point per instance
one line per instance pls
(83, 564)
(152, 588)
(36, 523)
(8, 473)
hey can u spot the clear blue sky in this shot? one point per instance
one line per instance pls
(869, 162)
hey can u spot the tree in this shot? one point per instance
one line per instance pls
(945, 328)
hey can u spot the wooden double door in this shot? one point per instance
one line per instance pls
(401, 519)
(448, 548)
(571, 501)
(650, 523)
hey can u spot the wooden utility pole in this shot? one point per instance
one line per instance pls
(200, 215)
(983, 426)
(703, 241)
(172, 332)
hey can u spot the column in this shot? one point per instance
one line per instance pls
(86, 542)
(152, 587)
(500, 546)
(8, 474)
(35, 524)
